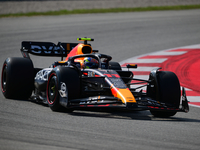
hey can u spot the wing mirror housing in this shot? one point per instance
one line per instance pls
(131, 65)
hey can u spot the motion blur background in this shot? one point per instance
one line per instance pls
(17, 6)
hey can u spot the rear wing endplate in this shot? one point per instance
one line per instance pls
(46, 48)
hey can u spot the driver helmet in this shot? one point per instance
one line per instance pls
(90, 63)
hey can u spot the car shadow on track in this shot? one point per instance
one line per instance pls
(136, 115)
(123, 114)
(118, 114)
(131, 115)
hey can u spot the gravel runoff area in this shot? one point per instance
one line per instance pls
(24, 6)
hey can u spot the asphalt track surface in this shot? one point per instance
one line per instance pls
(28, 125)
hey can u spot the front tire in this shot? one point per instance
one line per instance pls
(168, 92)
(67, 81)
(52, 92)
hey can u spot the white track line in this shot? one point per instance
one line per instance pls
(146, 60)
(141, 68)
(163, 53)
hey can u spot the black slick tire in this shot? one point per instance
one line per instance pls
(114, 66)
(169, 92)
(62, 76)
(17, 78)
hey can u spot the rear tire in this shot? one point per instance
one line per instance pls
(57, 77)
(114, 66)
(169, 92)
(17, 78)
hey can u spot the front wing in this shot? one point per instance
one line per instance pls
(143, 103)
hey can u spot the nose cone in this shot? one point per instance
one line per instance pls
(124, 94)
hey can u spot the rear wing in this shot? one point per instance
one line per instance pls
(46, 48)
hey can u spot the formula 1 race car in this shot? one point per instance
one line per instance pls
(86, 80)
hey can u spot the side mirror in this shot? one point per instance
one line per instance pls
(131, 65)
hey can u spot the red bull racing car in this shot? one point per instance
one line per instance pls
(86, 79)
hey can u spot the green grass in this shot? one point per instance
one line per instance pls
(111, 10)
